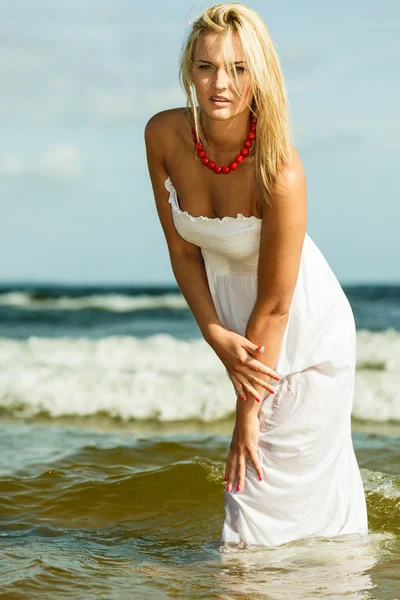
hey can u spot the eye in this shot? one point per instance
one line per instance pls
(240, 69)
(204, 66)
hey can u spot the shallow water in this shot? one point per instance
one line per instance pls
(115, 423)
(114, 513)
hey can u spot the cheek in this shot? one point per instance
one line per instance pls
(247, 91)
(200, 83)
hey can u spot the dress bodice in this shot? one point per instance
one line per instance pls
(228, 245)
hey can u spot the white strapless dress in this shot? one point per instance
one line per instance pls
(312, 484)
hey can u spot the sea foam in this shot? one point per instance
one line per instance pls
(162, 378)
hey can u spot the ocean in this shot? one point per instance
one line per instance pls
(115, 423)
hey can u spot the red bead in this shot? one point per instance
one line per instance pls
(238, 158)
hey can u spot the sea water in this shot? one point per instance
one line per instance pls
(115, 425)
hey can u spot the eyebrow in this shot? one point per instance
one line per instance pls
(238, 62)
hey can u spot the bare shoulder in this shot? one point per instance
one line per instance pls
(290, 184)
(163, 133)
(293, 174)
(165, 122)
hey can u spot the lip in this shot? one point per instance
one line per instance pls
(219, 98)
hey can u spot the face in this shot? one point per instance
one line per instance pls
(216, 95)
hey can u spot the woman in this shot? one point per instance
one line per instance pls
(230, 192)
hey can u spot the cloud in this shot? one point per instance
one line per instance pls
(64, 161)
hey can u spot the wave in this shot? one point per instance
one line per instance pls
(113, 484)
(106, 302)
(161, 378)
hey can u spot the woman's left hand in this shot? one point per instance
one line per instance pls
(244, 444)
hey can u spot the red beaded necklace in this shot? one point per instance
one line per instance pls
(239, 158)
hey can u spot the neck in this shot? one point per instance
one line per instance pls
(227, 134)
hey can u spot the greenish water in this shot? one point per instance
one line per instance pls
(100, 509)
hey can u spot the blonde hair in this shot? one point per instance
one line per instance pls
(270, 104)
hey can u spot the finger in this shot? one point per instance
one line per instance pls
(251, 390)
(241, 471)
(232, 473)
(254, 348)
(248, 378)
(227, 466)
(255, 459)
(238, 387)
(254, 379)
(259, 367)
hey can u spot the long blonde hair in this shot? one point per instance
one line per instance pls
(270, 104)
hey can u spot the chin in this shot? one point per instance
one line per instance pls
(219, 114)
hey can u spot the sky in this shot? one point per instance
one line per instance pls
(79, 80)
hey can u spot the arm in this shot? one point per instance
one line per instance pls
(186, 258)
(282, 235)
(234, 350)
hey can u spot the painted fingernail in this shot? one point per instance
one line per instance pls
(238, 488)
(225, 478)
(272, 391)
(260, 478)
(228, 488)
(243, 398)
(258, 399)
(260, 348)
(276, 378)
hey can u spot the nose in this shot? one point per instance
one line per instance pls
(221, 80)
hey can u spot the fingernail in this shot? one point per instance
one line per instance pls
(260, 348)
(238, 488)
(225, 478)
(228, 488)
(243, 398)
(260, 478)
(272, 391)
(276, 378)
(258, 399)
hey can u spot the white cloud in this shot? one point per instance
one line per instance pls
(64, 161)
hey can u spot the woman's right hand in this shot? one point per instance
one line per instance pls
(237, 354)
